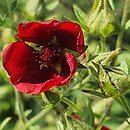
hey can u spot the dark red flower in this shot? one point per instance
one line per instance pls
(42, 64)
(103, 127)
(76, 117)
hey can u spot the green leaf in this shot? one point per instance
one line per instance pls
(2, 17)
(81, 16)
(83, 25)
(70, 104)
(90, 115)
(93, 92)
(13, 4)
(3, 124)
(95, 4)
(110, 59)
(127, 25)
(124, 66)
(114, 70)
(109, 89)
(112, 4)
(52, 5)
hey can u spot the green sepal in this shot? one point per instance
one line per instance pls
(81, 66)
(109, 89)
(107, 30)
(102, 20)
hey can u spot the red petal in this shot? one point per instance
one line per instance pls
(68, 65)
(24, 71)
(36, 32)
(104, 128)
(37, 88)
(15, 58)
(70, 35)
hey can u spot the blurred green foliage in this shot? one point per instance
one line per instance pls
(12, 12)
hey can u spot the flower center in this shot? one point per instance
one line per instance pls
(49, 55)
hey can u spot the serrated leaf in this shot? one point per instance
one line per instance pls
(114, 70)
(110, 59)
(127, 25)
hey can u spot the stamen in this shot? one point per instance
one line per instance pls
(49, 54)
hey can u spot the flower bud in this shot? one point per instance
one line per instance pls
(102, 20)
(113, 81)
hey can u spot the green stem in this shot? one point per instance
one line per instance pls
(39, 116)
(102, 43)
(44, 98)
(19, 107)
(69, 103)
(123, 22)
(124, 105)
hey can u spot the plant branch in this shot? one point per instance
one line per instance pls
(107, 111)
(19, 107)
(124, 105)
(102, 44)
(38, 116)
(69, 103)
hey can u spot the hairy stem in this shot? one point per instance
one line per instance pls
(19, 107)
